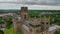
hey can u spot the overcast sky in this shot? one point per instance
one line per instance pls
(31, 4)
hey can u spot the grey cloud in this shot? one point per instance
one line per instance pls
(35, 2)
(42, 2)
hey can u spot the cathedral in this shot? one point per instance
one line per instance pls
(31, 25)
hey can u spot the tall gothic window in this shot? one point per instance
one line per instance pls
(24, 16)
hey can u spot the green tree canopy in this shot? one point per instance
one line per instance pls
(1, 32)
(34, 14)
(1, 21)
(57, 32)
(8, 21)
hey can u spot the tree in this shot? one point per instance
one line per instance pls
(8, 22)
(34, 14)
(1, 21)
(57, 32)
(1, 32)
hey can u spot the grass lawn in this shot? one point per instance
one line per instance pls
(11, 31)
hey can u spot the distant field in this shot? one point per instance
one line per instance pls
(16, 11)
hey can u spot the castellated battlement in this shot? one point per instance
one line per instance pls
(24, 9)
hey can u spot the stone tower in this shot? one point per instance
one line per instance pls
(24, 14)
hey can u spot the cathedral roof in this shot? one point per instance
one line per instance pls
(52, 28)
